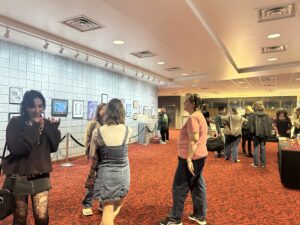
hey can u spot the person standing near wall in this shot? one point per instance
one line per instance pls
(92, 125)
(30, 139)
(246, 135)
(192, 153)
(163, 124)
(220, 128)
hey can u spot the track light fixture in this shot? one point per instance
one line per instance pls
(136, 73)
(143, 75)
(6, 34)
(76, 55)
(61, 50)
(87, 58)
(106, 64)
(45, 46)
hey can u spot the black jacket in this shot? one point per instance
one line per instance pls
(259, 124)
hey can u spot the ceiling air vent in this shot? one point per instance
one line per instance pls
(269, 85)
(143, 54)
(272, 49)
(82, 23)
(173, 69)
(267, 78)
(274, 13)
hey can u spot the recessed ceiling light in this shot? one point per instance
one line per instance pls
(184, 74)
(272, 59)
(194, 85)
(273, 36)
(241, 82)
(298, 78)
(246, 87)
(160, 63)
(119, 42)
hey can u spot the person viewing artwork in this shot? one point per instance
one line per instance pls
(246, 135)
(30, 139)
(192, 153)
(260, 126)
(110, 143)
(282, 124)
(163, 125)
(92, 125)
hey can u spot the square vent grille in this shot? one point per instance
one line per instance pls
(274, 13)
(143, 54)
(272, 49)
(82, 23)
(174, 69)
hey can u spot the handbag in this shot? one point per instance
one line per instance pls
(215, 144)
(6, 197)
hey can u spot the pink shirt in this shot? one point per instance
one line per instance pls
(195, 123)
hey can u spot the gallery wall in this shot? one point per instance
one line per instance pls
(23, 69)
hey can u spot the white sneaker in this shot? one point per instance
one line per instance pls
(163, 142)
(87, 211)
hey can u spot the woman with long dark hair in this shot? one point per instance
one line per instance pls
(110, 142)
(192, 153)
(30, 140)
(92, 125)
(282, 124)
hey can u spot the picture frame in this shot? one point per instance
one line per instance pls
(135, 116)
(128, 110)
(59, 107)
(15, 95)
(77, 109)
(104, 98)
(13, 114)
(91, 110)
(135, 104)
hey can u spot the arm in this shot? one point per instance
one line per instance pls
(94, 143)
(21, 138)
(88, 133)
(274, 125)
(192, 147)
(53, 134)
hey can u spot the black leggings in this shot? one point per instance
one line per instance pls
(39, 207)
(164, 132)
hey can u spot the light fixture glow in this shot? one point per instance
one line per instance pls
(272, 59)
(241, 82)
(61, 50)
(194, 85)
(6, 34)
(184, 74)
(119, 42)
(271, 36)
(246, 87)
(45, 46)
(160, 63)
(298, 78)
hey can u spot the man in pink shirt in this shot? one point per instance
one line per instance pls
(192, 153)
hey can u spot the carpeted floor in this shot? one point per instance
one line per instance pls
(237, 193)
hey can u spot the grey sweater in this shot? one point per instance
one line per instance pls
(233, 124)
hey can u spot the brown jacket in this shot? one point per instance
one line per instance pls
(29, 151)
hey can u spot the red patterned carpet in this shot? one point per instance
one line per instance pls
(237, 193)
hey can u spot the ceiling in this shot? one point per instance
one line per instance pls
(216, 43)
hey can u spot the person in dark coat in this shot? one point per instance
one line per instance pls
(246, 135)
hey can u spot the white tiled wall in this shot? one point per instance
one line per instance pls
(62, 78)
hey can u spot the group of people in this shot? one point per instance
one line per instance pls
(31, 139)
(254, 127)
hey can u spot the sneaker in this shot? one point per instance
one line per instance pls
(169, 221)
(237, 161)
(87, 211)
(254, 165)
(196, 219)
(163, 143)
(263, 166)
(226, 158)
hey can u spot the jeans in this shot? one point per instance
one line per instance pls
(88, 198)
(260, 141)
(185, 182)
(231, 146)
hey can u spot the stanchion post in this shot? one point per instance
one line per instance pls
(67, 163)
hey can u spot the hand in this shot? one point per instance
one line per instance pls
(190, 167)
(39, 120)
(53, 120)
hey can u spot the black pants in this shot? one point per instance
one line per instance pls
(246, 136)
(164, 132)
(184, 182)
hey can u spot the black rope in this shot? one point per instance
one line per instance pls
(150, 130)
(138, 133)
(76, 141)
(63, 138)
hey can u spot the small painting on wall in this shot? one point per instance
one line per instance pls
(13, 114)
(59, 107)
(15, 95)
(135, 116)
(92, 106)
(135, 104)
(77, 111)
(104, 98)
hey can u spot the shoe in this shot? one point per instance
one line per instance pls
(249, 155)
(263, 166)
(226, 158)
(237, 161)
(163, 143)
(169, 221)
(196, 219)
(167, 141)
(87, 211)
(254, 165)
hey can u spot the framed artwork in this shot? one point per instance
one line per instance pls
(13, 114)
(135, 104)
(145, 110)
(92, 106)
(77, 111)
(135, 116)
(59, 107)
(123, 102)
(128, 110)
(15, 95)
(153, 113)
(104, 98)
(140, 109)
